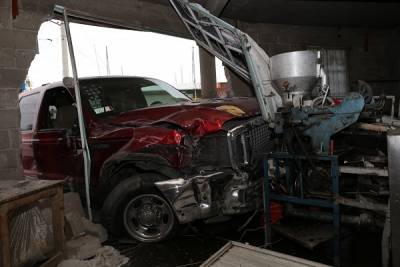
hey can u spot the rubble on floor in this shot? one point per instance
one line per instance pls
(94, 229)
(105, 257)
(83, 247)
(72, 203)
(84, 238)
(73, 225)
(76, 222)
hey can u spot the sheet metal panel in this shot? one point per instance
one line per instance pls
(394, 177)
(335, 65)
(235, 254)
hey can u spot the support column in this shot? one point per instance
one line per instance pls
(18, 46)
(208, 74)
(236, 85)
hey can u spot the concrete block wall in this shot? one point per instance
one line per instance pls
(18, 46)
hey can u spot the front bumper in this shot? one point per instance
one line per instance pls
(196, 197)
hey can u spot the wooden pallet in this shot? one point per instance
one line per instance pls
(17, 194)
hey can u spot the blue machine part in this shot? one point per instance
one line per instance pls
(321, 123)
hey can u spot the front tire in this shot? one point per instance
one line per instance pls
(148, 218)
(137, 207)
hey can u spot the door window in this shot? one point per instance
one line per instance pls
(58, 109)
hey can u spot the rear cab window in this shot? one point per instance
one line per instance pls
(28, 106)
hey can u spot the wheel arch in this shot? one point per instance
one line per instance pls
(128, 164)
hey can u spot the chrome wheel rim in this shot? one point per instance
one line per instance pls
(148, 218)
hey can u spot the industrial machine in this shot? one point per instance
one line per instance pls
(330, 157)
(291, 88)
(306, 109)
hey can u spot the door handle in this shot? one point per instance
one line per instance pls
(67, 140)
(59, 140)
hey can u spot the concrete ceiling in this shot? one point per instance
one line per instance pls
(350, 13)
(320, 13)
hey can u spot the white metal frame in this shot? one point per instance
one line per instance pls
(78, 100)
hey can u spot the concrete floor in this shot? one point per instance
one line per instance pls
(181, 251)
(191, 248)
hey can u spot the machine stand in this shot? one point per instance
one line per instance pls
(299, 198)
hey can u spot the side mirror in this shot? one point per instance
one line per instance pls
(68, 82)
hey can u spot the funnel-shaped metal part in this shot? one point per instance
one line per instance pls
(295, 73)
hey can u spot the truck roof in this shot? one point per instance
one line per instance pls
(48, 86)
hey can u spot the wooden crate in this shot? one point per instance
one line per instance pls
(17, 194)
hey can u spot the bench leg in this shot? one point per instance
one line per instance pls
(5, 239)
(57, 205)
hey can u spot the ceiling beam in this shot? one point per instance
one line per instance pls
(217, 7)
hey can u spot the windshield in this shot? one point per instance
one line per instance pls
(113, 96)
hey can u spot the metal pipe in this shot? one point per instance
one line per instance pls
(90, 19)
(363, 220)
(362, 203)
(64, 51)
(85, 147)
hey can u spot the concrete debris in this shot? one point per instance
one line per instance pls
(105, 257)
(76, 222)
(83, 247)
(73, 225)
(94, 229)
(72, 203)
(85, 238)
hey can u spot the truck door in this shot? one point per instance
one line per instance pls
(55, 141)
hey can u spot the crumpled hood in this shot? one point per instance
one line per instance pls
(198, 118)
(161, 130)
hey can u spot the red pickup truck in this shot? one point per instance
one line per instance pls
(159, 159)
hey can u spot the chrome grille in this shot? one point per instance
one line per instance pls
(248, 141)
(259, 140)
